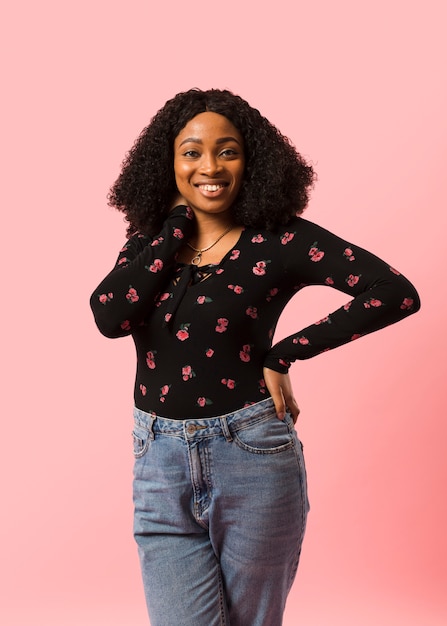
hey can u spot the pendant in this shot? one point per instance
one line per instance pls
(196, 260)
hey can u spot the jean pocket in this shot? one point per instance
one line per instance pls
(266, 436)
(141, 440)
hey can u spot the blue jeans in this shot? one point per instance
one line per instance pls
(220, 512)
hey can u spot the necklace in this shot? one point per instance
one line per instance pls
(198, 258)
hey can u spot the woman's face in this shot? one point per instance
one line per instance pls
(209, 163)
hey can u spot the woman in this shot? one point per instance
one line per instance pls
(212, 193)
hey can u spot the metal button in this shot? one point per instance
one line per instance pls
(191, 429)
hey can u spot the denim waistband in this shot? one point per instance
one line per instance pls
(205, 426)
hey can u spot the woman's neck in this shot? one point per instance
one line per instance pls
(209, 228)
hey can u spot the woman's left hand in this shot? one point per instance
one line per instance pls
(280, 388)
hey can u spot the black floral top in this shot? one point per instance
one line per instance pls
(203, 334)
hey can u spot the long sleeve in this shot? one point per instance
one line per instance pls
(381, 295)
(126, 295)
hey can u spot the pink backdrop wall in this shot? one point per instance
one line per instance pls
(360, 88)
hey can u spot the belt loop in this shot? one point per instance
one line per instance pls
(150, 427)
(225, 429)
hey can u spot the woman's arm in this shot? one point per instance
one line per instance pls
(381, 295)
(126, 295)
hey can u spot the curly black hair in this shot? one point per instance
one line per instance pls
(276, 182)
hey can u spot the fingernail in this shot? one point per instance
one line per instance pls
(281, 416)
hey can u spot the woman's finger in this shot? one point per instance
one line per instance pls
(274, 384)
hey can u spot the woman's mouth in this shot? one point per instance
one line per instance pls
(211, 187)
(212, 190)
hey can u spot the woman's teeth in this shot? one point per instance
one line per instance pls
(211, 187)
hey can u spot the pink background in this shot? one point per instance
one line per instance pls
(360, 87)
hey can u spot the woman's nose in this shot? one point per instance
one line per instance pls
(209, 164)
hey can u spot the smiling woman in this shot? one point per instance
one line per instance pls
(216, 249)
(209, 166)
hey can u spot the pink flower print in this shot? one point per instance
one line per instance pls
(125, 325)
(103, 298)
(219, 271)
(317, 257)
(252, 312)
(304, 341)
(315, 253)
(329, 281)
(204, 401)
(150, 360)
(222, 324)
(178, 233)
(284, 363)
(244, 354)
(323, 320)
(407, 303)
(261, 385)
(189, 213)
(234, 255)
(228, 382)
(203, 299)
(257, 239)
(143, 389)
(132, 295)
(162, 298)
(156, 266)
(352, 280)
(372, 302)
(124, 249)
(164, 392)
(168, 317)
(272, 293)
(157, 242)
(187, 372)
(259, 268)
(348, 254)
(347, 306)
(122, 260)
(286, 238)
(394, 271)
(236, 288)
(355, 336)
(209, 353)
(183, 333)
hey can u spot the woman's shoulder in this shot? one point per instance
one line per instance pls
(296, 227)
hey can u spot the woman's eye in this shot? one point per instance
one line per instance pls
(229, 152)
(191, 153)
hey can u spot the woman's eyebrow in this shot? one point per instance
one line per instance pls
(218, 141)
